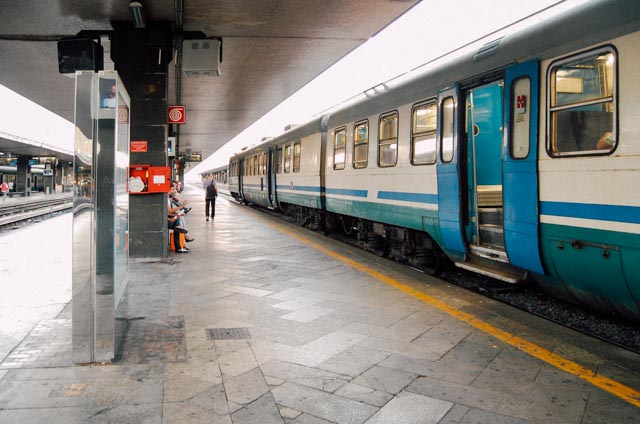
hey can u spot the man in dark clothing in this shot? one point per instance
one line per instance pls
(210, 199)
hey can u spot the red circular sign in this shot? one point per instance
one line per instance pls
(176, 115)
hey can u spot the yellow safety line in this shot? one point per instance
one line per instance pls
(615, 388)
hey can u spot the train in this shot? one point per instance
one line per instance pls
(516, 161)
(8, 175)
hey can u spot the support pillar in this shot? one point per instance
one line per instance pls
(23, 176)
(141, 57)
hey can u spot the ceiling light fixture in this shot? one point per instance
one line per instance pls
(137, 14)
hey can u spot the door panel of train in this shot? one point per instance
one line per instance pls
(484, 167)
(448, 170)
(520, 167)
(240, 177)
(271, 176)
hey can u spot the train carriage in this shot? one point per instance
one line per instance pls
(516, 161)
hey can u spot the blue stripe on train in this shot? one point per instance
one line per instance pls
(628, 214)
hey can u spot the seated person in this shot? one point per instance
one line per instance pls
(171, 223)
(605, 142)
(176, 216)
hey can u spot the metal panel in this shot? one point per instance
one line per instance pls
(449, 211)
(521, 210)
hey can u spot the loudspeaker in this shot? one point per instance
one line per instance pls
(79, 54)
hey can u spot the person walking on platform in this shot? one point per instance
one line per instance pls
(210, 199)
(4, 188)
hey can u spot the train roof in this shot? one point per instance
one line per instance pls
(582, 26)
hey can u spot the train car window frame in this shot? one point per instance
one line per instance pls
(519, 134)
(297, 153)
(278, 160)
(579, 121)
(447, 123)
(339, 150)
(263, 163)
(389, 141)
(360, 144)
(420, 136)
(287, 158)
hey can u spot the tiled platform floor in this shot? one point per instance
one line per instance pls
(319, 342)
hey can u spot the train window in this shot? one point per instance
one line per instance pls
(582, 104)
(423, 134)
(297, 150)
(255, 165)
(263, 163)
(339, 147)
(388, 140)
(287, 158)
(278, 160)
(361, 145)
(447, 131)
(520, 118)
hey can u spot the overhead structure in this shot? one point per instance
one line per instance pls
(271, 49)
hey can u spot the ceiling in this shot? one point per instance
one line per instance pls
(271, 48)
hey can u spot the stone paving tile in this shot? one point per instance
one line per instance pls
(265, 351)
(455, 415)
(536, 403)
(308, 314)
(209, 406)
(246, 388)
(410, 408)
(467, 359)
(335, 342)
(263, 411)
(297, 304)
(237, 362)
(109, 385)
(476, 416)
(364, 394)
(248, 291)
(309, 419)
(385, 379)
(184, 381)
(321, 404)
(304, 376)
(402, 348)
(353, 361)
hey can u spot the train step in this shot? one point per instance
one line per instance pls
(498, 270)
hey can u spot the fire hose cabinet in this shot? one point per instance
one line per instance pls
(145, 179)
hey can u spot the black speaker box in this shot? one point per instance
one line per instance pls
(79, 54)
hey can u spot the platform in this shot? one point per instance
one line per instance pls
(264, 322)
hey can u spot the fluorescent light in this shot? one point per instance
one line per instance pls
(137, 14)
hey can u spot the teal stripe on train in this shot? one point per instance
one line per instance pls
(419, 219)
(597, 266)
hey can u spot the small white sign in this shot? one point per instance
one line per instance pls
(158, 179)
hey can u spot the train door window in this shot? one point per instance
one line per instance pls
(423, 133)
(582, 104)
(447, 131)
(287, 158)
(520, 118)
(388, 140)
(278, 160)
(297, 150)
(255, 165)
(361, 144)
(339, 147)
(263, 163)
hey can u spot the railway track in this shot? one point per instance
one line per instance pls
(11, 213)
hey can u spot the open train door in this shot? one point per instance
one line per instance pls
(448, 170)
(272, 163)
(520, 166)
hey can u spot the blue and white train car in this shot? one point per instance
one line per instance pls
(518, 161)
